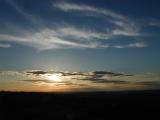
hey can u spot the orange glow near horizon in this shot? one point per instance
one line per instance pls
(51, 81)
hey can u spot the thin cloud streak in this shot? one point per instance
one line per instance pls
(82, 33)
(22, 11)
(43, 42)
(132, 45)
(63, 38)
(50, 39)
(85, 8)
(70, 36)
(5, 45)
(124, 25)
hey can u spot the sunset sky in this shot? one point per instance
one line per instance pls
(80, 35)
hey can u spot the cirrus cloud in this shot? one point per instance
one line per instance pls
(5, 45)
(69, 35)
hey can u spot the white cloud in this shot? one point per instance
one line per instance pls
(56, 39)
(119, 46)
(85, 8)
(5, 45)
(119, 32)
(71, 36)
(82, 33)
(132, 45)
(65, 37)
(154, 22)
(138, 45)
(126, 28)
(124, 25)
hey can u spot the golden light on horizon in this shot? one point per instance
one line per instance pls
(55, 77)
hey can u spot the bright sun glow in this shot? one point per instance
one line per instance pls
(55, 77)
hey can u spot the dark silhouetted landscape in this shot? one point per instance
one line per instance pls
(80, 105)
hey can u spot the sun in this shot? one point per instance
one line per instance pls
(55, 77)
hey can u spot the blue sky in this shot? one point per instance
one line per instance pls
(84, 35)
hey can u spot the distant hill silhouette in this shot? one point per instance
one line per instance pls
(80, 105)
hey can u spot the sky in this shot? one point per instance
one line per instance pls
(79, 42)
(84, 35)
(64, 81)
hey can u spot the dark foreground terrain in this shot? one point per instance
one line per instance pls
(79, 106)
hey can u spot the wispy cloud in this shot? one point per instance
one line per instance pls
(70, 35)
(65, 37)
(138, 45)
(9, 73)
(82, 33)
(5, 45)
(124, 25)
(22, 11)
(55, 39)
(154, 22)
(132, 45)
(125, 32)
(85, 8)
